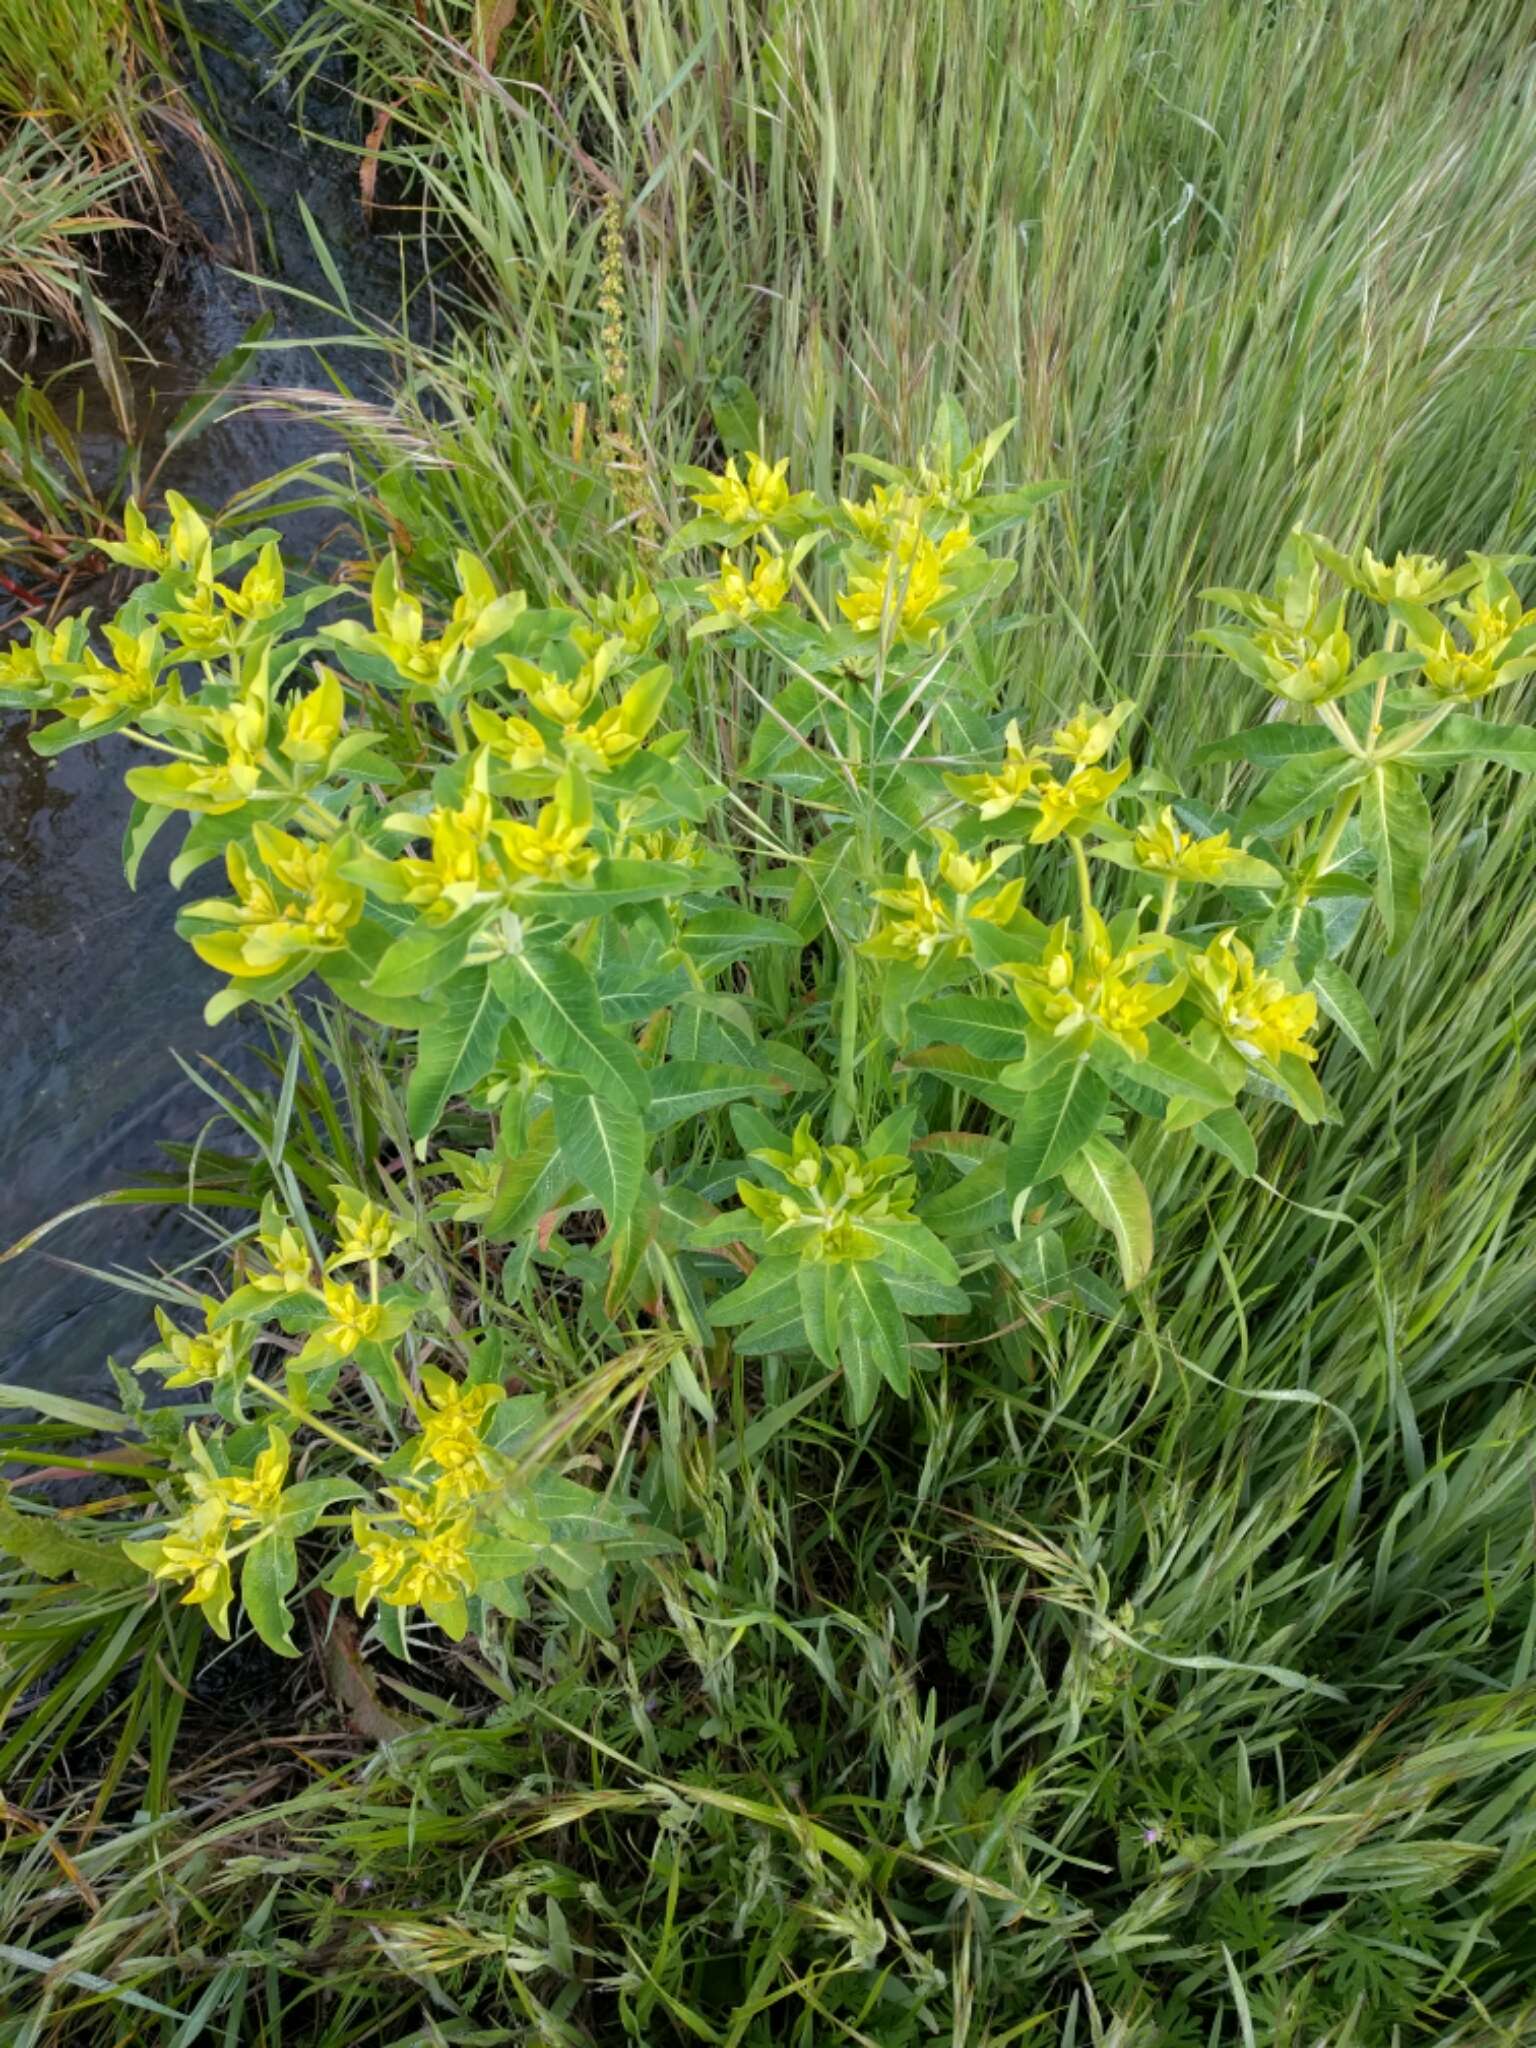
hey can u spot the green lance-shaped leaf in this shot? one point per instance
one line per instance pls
(818, 1283)
(872, 1337)
(1341, 1000)
(1058, 1118)
(268, 1575)
(1109, 1188)
(1460, 738)
(1395, 826)
(455, 1048)
(1298, 790)
(602, 1142)
(554, 998)
(1226, 1132)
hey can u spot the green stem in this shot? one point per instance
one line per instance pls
(1326, 847)
(1084, 883)
(846, 1100)
(313, 1421)
(1170, 896)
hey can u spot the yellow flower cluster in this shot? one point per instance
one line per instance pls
(1025, 775)
(196, 1548)
(1082, 984)
(1253, 1008)
(923, 925)
(835, 1192)
(1163, 847)
(301, 905)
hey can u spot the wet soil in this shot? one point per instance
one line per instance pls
(97, 994)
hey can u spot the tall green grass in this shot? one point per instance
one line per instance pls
(1231, 268)
(1147, 1684)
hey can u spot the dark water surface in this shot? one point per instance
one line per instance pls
(97, 994)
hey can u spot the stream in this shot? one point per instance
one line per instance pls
(100, 994)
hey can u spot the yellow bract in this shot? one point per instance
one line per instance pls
(461, 868)
(1080, 800)
(132, 686)
(553, 848)
(1081, 981)
(753, 500)
(1257, 1013)
(188, 1360)
(923, 924)
(301, 905)
(900, 592)
(1484, 664)
(289, 1260)
(364, 1230)
(1410, 576)
(424, 1563)
(399, 624)
(315, 720)
(1165, 848)
(452, 1418)
(349, 1319)
(1088, 735)
(995, 792)
(247, 1499)
(838, 1191)
(739, 596)
(196, 1548)
(1305, 669)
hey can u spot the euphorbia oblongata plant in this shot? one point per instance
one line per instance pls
(859, 1038)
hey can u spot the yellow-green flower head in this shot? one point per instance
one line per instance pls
(923, 925)
(1486, 662)
(553, 848)
(364, 1230)
(749, 501)
(899, 593)
(632, 613)
(261, 589)
(133, 685)
(1305, 669)
(680, 845)
(1088, 736)
(246, 1499)
(517, 741)
(1255, 1010)
(1409, 576)
(453, 1419)
(424, 1563)
(889, 513)
(140, 547)
(996, 792)
(300, 905)
(187, 1360)
(195, 1548)
(460, 868)
(21, 664)
(288, 1261)
(399, 624)
(1079, 801)
(564, 701)
(349, 1319)
(616, 735)
(736, 595)
(315, 720)
(1082, 982)
(832, 1191)
(479, 614)
(1165, 848)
